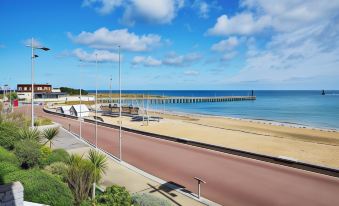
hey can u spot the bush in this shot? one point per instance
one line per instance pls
(80, 176)
(29, 134)
(28, 152)
(57, 155)
(58, 169)
(42, 187)
(115, 196)
(41, 121)
(149, 200)
(7, 156)
(6, 168)
(8, 134)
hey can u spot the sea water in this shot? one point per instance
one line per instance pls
(308, 108)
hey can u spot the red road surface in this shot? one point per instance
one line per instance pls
(231, 180)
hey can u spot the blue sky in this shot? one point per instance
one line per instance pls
(173, 44)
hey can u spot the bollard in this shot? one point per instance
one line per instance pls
(199, 182)
(69, 127)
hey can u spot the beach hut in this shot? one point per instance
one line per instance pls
(64, 109)
(79, 110)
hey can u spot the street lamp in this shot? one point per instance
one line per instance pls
(120, 121)
(33, 47)
(96, 102)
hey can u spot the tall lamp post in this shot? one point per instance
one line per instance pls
(120, 121)
(33, 47)
(96, 102)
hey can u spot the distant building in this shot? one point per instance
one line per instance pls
(41, 91)
(37, 88)
(56, 90)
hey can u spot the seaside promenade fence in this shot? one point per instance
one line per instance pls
(271, 159)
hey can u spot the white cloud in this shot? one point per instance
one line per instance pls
(146, 61)
(173, 59)
(191, 73)
(204, 8)
(288, 15)
(102, 6)
(154, 11)
(227, 44)
(307, 57)
(106, 39)
(243, 24)
(228, 56)
(36, 43)
(99, 55)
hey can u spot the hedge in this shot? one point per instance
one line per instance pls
(7, 156)
(149, 200)
(114, 196)
(28, 152)
(41, 187)
(6, 168)
(57, 155)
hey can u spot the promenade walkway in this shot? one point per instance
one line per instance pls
(122, 174)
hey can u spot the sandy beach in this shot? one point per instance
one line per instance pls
(309, 145)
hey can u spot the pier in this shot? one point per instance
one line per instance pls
(180, 100)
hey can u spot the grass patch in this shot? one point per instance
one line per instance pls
(41, 121)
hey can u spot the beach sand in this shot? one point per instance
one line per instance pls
(309, 145)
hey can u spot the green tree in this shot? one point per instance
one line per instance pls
(80, 176)
(28, 152)
(99, 162)
(50, 134)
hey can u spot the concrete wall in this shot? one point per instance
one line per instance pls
(12, 194)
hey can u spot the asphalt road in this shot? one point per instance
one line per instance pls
(231, 180)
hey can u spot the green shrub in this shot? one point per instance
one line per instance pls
(115, 196)
(80, 176)
(57, 155)
(8, 134)
(41, 121)
(29, 134)
(28, 152)
(6, 168)
(45, 153)
(149, 200)
(58, 169)
(42, 187)
(7, 156)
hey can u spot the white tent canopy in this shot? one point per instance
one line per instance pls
(79, 110)
(64, 109)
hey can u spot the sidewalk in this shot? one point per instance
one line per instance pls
(124, 174)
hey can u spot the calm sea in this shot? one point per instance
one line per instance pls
(308, 108)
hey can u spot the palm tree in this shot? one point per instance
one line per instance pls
(99, 162)
(30, 134)
(49, 134)
(80, 176)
